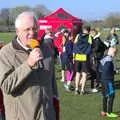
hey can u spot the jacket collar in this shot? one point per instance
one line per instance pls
(17, 46)
(106, 59)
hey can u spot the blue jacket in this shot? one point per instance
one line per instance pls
(66, 56)
(106, 69)
(69, 47)
(82, 46)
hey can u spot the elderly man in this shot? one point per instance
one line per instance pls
(27, 89)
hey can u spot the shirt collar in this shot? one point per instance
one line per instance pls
(19, 42)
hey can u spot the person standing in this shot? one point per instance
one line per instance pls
(112, 38)
(27, 88)
(63, 56)
(106, 70)
(97, 52)
(81, 52)
(48, 41)
(68, 62)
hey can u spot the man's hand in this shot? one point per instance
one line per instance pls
(34, 57)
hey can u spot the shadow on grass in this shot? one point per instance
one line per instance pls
(58, 78)
(117, 60)
(118, 113)
(117, 84)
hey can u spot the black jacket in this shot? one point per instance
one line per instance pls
(106, 69)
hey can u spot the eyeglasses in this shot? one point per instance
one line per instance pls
(35, 29)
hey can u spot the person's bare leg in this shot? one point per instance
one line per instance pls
(83, 81)
(77, 79)
(63, 76)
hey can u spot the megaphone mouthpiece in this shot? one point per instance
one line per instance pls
(34, 43)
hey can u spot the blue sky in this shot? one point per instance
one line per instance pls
(85, 9)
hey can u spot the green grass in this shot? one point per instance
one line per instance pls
(77, 107)
(83, 107)
(6, 37)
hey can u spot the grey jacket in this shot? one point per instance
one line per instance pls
(27, 92)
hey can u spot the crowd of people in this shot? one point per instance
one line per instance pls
(90, 57)
(27, 74)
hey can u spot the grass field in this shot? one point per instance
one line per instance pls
(85, 107)
(77, 107)
(6, 37)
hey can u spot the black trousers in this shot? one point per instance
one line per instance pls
(92, 78)
(108, 103)
(2, 116)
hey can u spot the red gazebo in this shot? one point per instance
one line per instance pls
(59, 19)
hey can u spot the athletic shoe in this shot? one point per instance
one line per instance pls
(94, 90)
(82, 92)
(71, 87)
(77, 92)
(67, 87)
(112, 115)
(103, 113)
(62, 80)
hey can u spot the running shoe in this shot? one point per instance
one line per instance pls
(112, 115)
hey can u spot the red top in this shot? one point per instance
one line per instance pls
(58, 43)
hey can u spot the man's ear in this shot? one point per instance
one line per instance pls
(17, 31)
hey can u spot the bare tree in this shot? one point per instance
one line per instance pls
(8, 15)
(5, 17)
(15, 11)
(113, 20)
(41, 11)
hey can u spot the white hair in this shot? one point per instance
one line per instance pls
(18, 20)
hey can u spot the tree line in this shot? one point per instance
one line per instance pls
(8, 15)
(111, 20)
